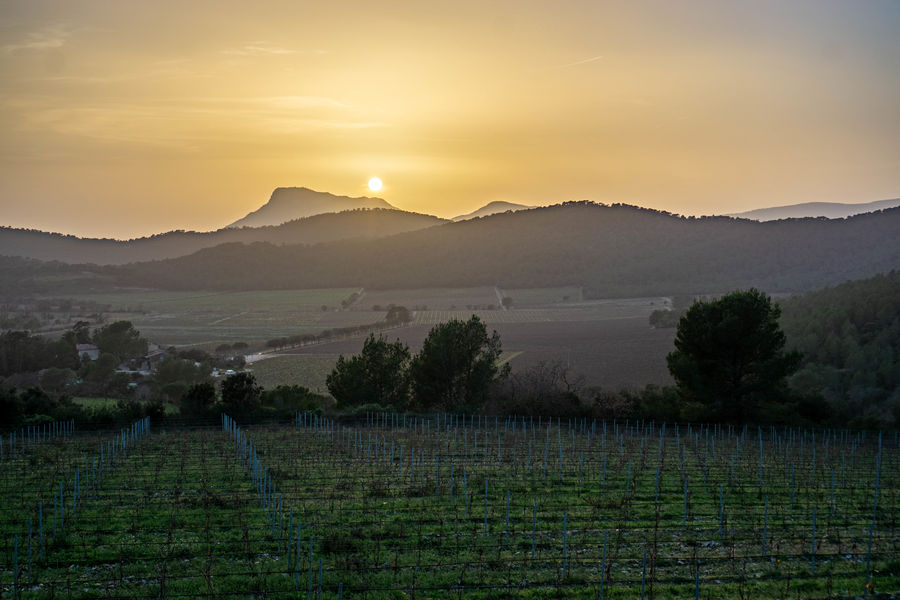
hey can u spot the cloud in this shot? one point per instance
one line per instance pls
(188, 124)
(266, 49)
(580, 62)
(47, 38)
(304, 102)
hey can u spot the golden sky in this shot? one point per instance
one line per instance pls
(122, 119)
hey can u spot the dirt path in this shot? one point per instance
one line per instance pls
(499, 298)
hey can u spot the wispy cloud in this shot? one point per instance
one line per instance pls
(264, 48)
(300, 102)
(189, 124)
(47, 38)
(580, 62)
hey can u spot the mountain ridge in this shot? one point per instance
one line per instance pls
(290, 203)
(829, 210)
(613, 250)
(492, 208)
(323, 227)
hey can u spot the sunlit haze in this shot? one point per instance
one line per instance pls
(122, 119)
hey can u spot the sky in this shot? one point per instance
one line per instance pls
(124, 119)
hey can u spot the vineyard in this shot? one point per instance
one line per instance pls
(448, 506)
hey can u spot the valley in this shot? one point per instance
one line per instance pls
(608, 343)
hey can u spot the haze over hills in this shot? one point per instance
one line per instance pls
(357, 223)
(287, 204)
(614, 250)
(830, 210)
(492, 208)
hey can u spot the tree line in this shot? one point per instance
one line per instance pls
(396, 316)
(849, 336)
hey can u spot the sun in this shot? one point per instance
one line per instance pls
(375, 184)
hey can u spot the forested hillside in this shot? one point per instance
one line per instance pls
(850, 338)
(359, 223)
(610, 250)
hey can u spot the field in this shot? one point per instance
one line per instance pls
(307, 370)
(425, 299)
(608, 342)
(448, 507)
(212, 318)
(543, 296)
(612, 353)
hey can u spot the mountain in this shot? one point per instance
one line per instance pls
(287, 204)
(617, 250)
(359, 223)
(492, 208)
(830, 210)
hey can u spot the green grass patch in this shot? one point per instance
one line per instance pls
(308, 370)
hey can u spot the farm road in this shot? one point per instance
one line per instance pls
(499, 298)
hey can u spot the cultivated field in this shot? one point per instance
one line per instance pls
(307, 370)
(609, 342)
(431, 298)
(212, 318)
(612, 353)
(543, 296)
(448, 507)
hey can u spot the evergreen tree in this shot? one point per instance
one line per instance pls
(457, 366)
(377, 375)
(729, 356)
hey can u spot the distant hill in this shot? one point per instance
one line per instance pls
(287, 204)
(830, 210)
(360, 223)
(614, 250)
(492, 208)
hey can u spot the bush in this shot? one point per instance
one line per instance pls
(292, 398)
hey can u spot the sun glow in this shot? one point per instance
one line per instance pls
(375, 184)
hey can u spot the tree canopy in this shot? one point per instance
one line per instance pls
(729, 356)
(121, 339)
(377, 375)
(850, 339)
(456, 366)
(240, 393)
(21, 351)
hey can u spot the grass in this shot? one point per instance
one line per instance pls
(95, 402)
(307, 370)
(397, 507)
(110, 403)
